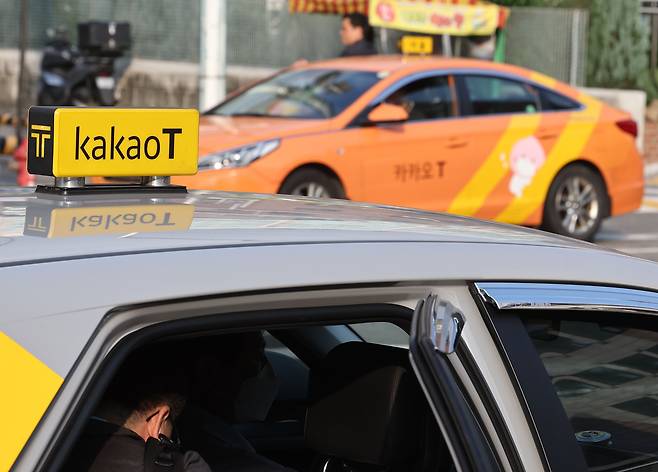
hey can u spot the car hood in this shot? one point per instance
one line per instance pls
(218, 133)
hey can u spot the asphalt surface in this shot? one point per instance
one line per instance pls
(636, 233)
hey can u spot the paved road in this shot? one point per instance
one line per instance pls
(637, 233)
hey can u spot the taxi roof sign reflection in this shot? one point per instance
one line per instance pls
(58, 220)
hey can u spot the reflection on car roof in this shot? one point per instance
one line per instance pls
(34, 227)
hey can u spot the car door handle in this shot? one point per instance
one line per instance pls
(456, 144)
(548, 136)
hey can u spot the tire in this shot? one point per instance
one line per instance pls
(576, 203)
(312, 183)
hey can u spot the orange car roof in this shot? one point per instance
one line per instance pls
(379, 63)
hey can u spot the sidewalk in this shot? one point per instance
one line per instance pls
(650, 201)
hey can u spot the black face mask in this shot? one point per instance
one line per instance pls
(163, 455)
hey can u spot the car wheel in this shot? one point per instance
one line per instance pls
(312, 183)
(576, 203)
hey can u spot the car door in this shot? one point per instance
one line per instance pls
(435, 333)
(414, 163)
(586, 362)
(509, 142)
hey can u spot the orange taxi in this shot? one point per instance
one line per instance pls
(474, 138)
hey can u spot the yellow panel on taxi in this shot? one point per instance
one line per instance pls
(82, 142)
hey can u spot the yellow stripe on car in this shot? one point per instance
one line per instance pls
(474, 194)
(543, 79)
(28, 388)
(568, 147)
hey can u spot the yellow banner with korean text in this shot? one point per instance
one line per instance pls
(457, 18)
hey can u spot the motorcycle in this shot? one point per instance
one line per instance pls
(85, 75)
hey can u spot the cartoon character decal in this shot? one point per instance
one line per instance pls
(526, 158)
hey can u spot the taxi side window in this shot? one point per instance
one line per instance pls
(426, 99)
(494, 95)
(551, 101)
(604, 370)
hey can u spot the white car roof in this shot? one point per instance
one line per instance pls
(230, 219)
(56, 290)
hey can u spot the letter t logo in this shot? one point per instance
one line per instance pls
(40, 133)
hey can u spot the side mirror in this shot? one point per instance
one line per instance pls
(387, 113)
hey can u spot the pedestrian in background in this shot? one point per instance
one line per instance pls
(357, 36)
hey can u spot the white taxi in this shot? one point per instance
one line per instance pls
(399, 339)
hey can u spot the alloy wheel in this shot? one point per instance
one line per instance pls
(311, 189)
(577, 205)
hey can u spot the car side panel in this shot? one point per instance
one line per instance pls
(267, 174)
(569, 146)
(614, 153)
(29, 386)
(491, 140)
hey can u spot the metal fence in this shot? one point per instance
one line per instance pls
(161, 29)
(263, 33)
(549, 40)
(260, 32)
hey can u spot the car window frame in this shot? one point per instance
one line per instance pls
(453, 93)
(464, 100)
(460, 94)
(467, 109)
(134, 324)
(540, 89)
(501, 303)
(361, 118)
(453, 408)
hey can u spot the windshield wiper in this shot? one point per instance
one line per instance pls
(249, 114)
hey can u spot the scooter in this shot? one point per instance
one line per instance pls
(71, 76)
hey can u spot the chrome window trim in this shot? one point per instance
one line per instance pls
(558, 296)
(406, 80)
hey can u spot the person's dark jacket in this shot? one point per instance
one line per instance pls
(106, 447)
(224, 448)
(360, 48)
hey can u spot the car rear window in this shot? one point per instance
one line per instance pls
(305, 94)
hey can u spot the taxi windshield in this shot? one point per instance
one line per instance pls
(305, 94)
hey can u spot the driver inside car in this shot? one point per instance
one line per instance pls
(133, 427)
(232, 382)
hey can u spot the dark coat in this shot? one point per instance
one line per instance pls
(220, 444)
(105, 447)
(360, 48)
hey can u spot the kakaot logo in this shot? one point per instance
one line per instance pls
(40, 133)
(124, 147)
